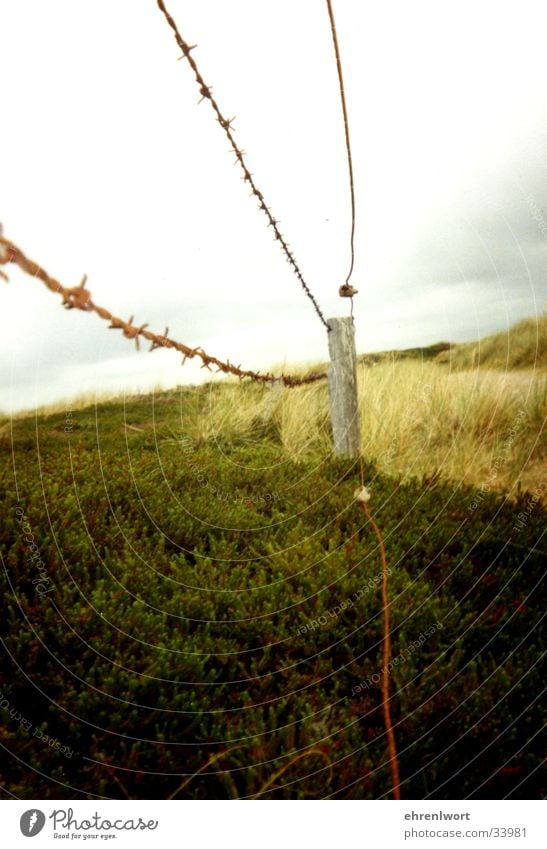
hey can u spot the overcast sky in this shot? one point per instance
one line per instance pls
(109, 167)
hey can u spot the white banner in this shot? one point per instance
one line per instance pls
(273, 824)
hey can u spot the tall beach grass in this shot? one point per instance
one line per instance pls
(417, 419)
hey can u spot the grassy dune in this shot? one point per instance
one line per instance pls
(417, 419)
(522, 346)
(468, 413)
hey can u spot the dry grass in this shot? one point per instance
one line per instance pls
(417, 419)
(476, 427)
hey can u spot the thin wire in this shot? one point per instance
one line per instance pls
(386, 652)
(348, 144)
(386, 641)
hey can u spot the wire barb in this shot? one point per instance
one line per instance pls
(132, 332)
(78, 297)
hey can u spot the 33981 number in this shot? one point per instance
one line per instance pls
(509, 832)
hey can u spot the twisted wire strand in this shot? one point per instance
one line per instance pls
(348, 144)
(386, 648)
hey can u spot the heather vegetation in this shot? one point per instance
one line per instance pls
(192, 605)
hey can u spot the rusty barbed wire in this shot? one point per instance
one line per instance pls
(79, 297)
(226, 124)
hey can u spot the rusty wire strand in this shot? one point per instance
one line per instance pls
(386, 646)
(386, 658)
(348, 144)
(226, 125)
(80, 298)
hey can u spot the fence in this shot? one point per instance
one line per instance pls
(342, 372)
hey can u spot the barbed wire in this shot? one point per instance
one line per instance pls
(226, 124)
(79, 297)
